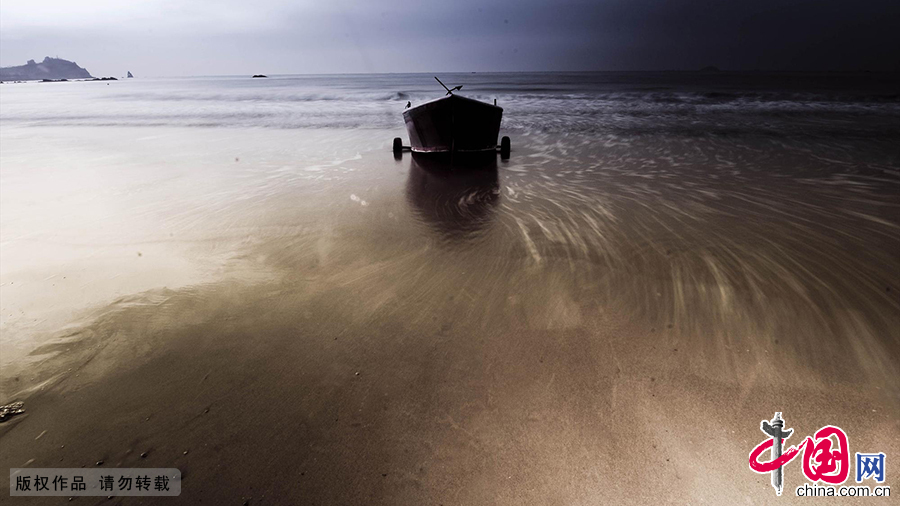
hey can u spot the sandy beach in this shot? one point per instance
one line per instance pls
(293, 316)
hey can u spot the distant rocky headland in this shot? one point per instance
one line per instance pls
(50, 68)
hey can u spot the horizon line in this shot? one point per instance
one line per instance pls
(692, 71)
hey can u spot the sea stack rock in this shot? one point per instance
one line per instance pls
(51, 68)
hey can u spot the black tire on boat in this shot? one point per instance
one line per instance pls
(504, 147)
(398, 145)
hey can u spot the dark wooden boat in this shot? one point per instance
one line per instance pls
(453, 124)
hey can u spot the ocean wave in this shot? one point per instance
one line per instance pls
(564, 103)
(258, 97)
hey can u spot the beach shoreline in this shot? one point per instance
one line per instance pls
(292, 315)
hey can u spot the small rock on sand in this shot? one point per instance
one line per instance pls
(10, 410)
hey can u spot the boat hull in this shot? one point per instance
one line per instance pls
(453, 124)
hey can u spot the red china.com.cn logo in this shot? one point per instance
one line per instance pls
(826, 459)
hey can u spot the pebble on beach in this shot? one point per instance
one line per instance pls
(11, 409)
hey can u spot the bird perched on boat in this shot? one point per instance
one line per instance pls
(408, 104)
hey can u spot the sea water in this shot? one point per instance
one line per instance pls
(729, 205)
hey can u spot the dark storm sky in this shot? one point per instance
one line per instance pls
(201, 37)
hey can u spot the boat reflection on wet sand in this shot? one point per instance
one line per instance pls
(458, 200)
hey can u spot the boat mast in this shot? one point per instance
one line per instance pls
(449, 90)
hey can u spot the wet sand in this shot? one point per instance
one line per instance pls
(591, 322)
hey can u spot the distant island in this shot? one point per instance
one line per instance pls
(50, 68)
(260, 75)
(711, 68)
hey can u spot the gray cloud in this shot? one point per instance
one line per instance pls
(168, 37)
